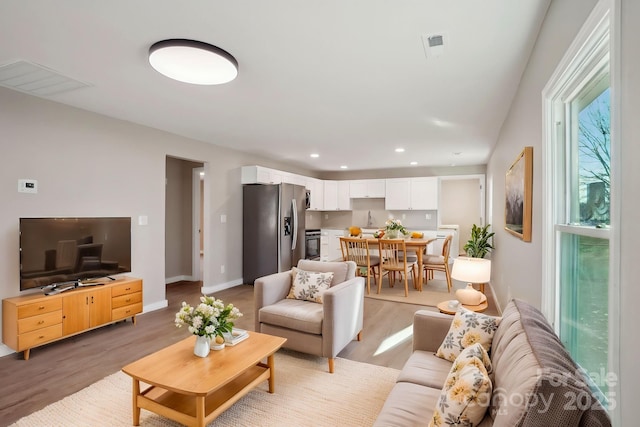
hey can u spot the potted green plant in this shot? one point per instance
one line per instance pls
(479, 245)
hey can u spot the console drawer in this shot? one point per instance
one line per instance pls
(34, 323)
(126, 288)
(40, 336)
(127, 299)
(126, 311)
(40, 307)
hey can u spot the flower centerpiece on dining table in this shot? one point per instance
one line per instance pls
(211, 318)
(393, 229)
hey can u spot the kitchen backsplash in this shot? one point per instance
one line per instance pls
(363, 209)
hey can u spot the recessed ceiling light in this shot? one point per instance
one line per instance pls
(457, 153)
(315, 155)
(194, 62)
(413, 163)
(399, 150)
(344, 167)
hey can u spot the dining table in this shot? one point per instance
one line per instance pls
(418, 245)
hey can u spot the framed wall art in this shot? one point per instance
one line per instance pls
(518, 197)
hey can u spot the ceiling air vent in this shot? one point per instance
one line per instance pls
(433, 45)
(435, 41)
(35, 79)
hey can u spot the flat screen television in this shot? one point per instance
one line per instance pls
(55, 251)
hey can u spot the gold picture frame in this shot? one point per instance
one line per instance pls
(518, 195)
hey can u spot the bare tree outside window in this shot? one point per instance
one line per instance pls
(594, 147)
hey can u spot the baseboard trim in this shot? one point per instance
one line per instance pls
(5, 351)
(155, 306)
(174, 279)
(221, 286)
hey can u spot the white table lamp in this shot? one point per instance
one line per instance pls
(471, 270)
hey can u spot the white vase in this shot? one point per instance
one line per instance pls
(201, 349)
(392, 234)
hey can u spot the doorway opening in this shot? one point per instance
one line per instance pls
(184, 220)
(462, 202)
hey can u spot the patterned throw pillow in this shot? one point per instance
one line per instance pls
(308, 285)
(467, 328)
(466, 394)
(477, 351)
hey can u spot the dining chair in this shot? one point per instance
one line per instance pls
(431, 263)
(357, 250)
(392, 260)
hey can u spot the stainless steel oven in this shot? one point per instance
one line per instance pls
(312, 244)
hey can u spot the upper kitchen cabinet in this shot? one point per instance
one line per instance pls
(260, 175)
(364, 188)
(411, 194)
(316, 190)
(336, 196)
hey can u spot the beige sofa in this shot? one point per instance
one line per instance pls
(535, 382)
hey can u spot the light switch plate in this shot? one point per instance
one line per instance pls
(143, 220)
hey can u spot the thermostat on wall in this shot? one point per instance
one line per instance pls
(27, 186)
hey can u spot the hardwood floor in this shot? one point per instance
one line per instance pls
(65, 367)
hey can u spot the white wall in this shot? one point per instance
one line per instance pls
(523, 127)
(91, 165)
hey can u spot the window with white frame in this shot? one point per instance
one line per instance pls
(577, 175)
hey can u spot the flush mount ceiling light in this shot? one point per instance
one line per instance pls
(194, 62)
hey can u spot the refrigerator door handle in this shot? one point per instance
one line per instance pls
(294, 211)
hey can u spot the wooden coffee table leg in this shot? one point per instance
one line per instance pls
(136, 410)
(200, 411)
(272, 381)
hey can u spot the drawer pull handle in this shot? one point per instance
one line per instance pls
(128, 311)
(41, 322)
(128, 299)
(127, 289)
(41, 307)
(41, 337)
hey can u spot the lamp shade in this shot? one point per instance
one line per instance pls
(194, 62)
(472, 270)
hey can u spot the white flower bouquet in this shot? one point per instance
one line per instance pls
(395, 225)
(209, 318)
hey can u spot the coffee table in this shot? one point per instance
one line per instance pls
(194, 390)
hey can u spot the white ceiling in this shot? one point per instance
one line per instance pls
(347, 79)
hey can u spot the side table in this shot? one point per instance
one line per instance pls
(444, 307)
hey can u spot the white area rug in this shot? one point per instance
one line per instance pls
(305, 395)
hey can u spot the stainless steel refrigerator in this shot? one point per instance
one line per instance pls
(272, 228)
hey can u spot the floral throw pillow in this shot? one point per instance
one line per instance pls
(466, 394)
(477, 351)
(467, 328)
(308, 285)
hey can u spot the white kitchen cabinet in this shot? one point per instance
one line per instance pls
(424, 193)
(260, 175)
(316, 187)
(412, 193)
(330, 244)
(344, 198)
(336, 196)
(367, 188)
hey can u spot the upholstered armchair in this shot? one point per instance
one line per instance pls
(322, 329)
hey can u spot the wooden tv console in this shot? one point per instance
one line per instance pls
(33, 320)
